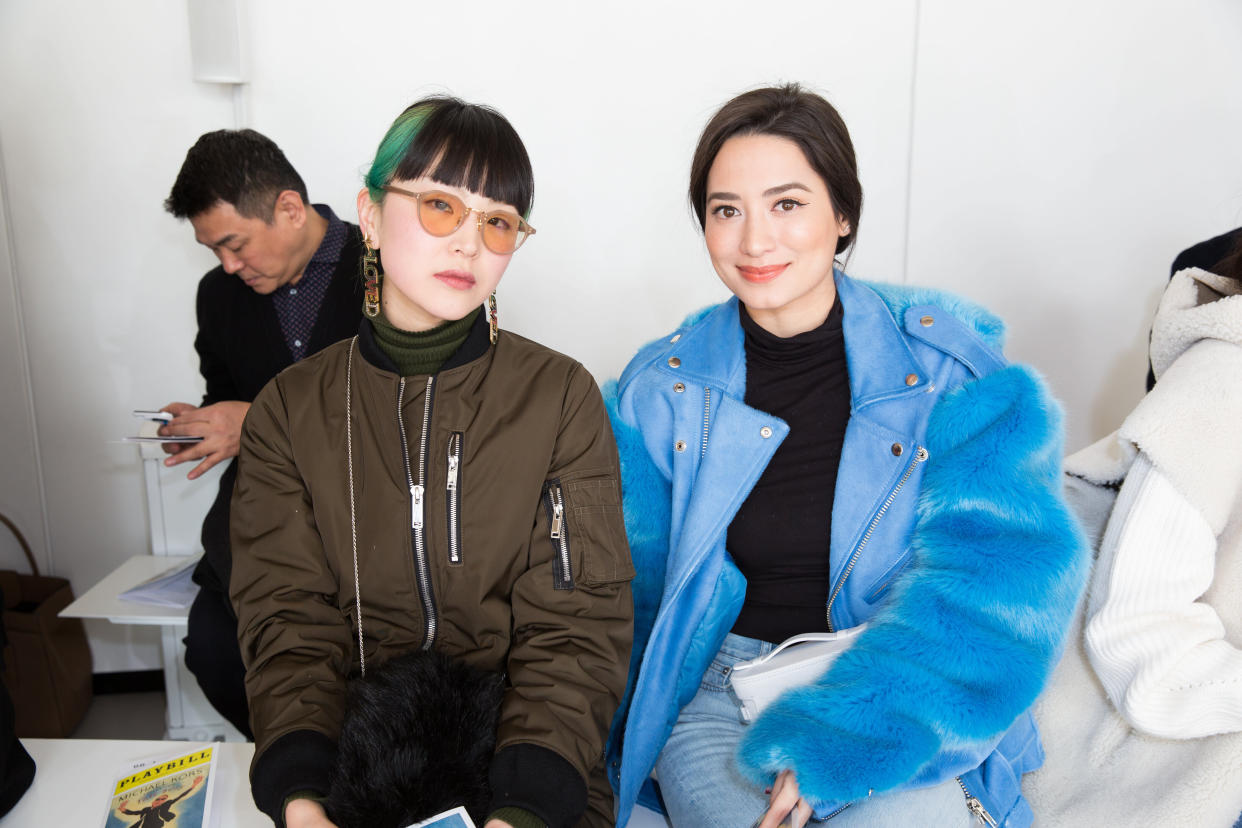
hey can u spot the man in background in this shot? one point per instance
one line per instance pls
(287, 286)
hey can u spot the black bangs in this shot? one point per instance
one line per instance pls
(471, 146)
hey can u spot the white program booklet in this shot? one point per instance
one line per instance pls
(172, 791)
(173, 588)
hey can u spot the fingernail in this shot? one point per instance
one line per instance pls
(768, 790)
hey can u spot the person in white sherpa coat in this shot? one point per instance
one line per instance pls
(1142, 722)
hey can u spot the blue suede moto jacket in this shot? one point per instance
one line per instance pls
(949, 536)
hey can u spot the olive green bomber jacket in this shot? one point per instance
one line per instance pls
(518, 561)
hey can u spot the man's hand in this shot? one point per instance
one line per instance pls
(786, 806)
(176, 409)
(218, 424)
(306, 813)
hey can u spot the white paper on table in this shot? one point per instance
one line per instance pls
(168, 589)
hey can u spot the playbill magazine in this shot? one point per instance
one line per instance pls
(165, 793)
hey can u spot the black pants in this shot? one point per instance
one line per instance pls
(214, 657)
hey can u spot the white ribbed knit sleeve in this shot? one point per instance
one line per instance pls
(1158, 650)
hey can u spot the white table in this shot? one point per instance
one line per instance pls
(189, 715)
(72, 783)
(103, 601)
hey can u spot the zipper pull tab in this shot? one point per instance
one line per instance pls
(452, 472)
(416, 501)
(976, 807)
(558, 512)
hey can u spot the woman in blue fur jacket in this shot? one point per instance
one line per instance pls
(811, 455)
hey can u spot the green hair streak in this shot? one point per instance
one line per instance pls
(392, 149)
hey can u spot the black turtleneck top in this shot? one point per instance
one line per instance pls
(780, 536)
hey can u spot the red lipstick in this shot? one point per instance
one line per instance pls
(759, 275)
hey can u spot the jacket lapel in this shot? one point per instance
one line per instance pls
(737, 453)
(876, 350)
(712, 357)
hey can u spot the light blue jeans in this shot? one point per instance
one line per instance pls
(703, 787)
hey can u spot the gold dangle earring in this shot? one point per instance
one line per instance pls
(493, 325)
(370, 279)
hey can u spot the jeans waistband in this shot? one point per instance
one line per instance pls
(741, 648)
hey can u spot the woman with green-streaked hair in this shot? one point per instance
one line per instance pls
(430, 562)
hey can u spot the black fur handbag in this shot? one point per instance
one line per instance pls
(417, 739)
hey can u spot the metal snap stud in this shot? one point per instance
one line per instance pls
(912, 379)
(680, 445)
(679, 387)
(765, 432)
(674, 362)
(926, 321)
(897, 449)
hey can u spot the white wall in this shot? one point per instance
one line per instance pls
(609, 99)
(1064, 153)
(1061, 155)
(21, 499)
(96, 115)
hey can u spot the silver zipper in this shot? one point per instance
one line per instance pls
(920, 455)
(975, 806)
(559, 533)
(837, 811)
(558, 513)
(454, 497)
(707, 416)
(417, 490)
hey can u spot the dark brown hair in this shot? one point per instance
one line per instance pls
(235, 166)
(791, 112)
(1231, 265)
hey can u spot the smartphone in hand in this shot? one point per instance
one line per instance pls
(157, 416)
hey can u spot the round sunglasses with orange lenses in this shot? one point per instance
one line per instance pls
(441, 213)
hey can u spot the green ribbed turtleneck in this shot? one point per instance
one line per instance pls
(421, 352)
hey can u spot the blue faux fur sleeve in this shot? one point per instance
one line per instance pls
(973, 627)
